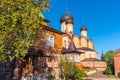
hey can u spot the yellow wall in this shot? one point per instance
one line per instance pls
(90, 44)
(41, 40)
(83, 42)
(76, 41)
(84, 33)
(69, 28)
(63, 27)
(57, 39)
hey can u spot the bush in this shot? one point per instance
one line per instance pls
(51, 75)
(108, 71)
(79, 74)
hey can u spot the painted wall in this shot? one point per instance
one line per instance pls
(69, 28)
(76, 41)
(63, 27)
(84, 33)
(90, 44)
(57, 38)
(91, 54)
(83, 41)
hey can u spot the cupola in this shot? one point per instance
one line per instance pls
(67, 18)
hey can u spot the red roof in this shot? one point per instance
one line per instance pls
(98, 75)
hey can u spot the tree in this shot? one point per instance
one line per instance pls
(102, 57)
(69, 69)
(108, 57)
(109, 70)
(19, 26)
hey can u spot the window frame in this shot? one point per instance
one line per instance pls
(49, 40)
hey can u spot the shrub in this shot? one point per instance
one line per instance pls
(51, 75)
(79, 74)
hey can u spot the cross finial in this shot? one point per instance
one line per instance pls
(66, 8)
(82, 21)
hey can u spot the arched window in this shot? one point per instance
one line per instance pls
(76, 57)
(64, 43)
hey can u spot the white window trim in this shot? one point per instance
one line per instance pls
(49, 44)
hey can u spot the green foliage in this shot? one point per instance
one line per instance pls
(67, 68)
(108, 70)
(102, 57)
(108, 57)
(79, 74)
(51, 75)
(19, 25)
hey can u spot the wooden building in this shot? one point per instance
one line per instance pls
(45, 52)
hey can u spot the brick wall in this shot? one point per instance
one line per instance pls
(99, 65)
(117, 64)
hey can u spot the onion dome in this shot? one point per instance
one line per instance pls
(67, 18)
(83, 27)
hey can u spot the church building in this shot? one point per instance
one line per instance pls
(76, 48)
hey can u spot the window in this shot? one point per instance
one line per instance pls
(69, 57)
(49, 62)
(76, 57)
(64, 43)
(42, 64)
(35, 62)
(88, 65)
(49, 40)
(56, 64)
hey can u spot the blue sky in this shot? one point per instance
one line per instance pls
(102, 18)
